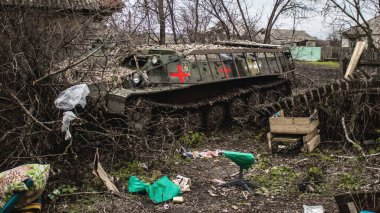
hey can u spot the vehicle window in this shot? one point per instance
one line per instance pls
(273, 62)
(263, 64)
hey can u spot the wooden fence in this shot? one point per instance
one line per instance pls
(336, 53)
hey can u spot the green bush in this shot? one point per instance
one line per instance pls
(193, 139)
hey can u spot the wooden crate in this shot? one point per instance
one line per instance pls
(293, 125)
(290, 129)
(310, 141)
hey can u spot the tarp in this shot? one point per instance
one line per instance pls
(161, 190)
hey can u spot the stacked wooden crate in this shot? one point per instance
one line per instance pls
(292, 130)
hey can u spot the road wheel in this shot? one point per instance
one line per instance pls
(215, 117)
(193, 121)
(253, 100)
(237, 108)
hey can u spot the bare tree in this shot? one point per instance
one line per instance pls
(353, 12)
(172, 19)
(245, 21)
(230, 19)
(161, 20)
(281, 7)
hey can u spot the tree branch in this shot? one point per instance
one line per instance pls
(68, 67)
(28, 113)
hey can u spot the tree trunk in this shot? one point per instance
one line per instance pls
(195, 35)
(171, 10)
(161, 21)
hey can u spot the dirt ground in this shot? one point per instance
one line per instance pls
(334, 167)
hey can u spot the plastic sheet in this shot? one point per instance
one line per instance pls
(67, 118)
(72, 96)
(136, 185)
(312, 209)
(161, 190)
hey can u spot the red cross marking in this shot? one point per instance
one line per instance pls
(180, 74)
(225, 69)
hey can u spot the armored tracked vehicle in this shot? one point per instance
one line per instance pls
(208, 87)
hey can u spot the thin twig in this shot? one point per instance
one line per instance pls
(349, 139)
(81, 193)
(374, 168)
(68, 67)
(28, 113)
(305, 77)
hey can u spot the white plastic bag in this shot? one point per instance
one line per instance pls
(72, 96)
(312, 209)
(67, 118)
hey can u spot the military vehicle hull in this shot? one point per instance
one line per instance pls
(207, 87)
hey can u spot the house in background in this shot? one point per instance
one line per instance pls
(288, 37)
(354, 34)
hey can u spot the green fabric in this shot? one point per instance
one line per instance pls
(244, 160)
(136, 185)
(161, 190)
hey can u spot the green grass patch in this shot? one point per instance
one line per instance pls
(325, 64)
(278, 180)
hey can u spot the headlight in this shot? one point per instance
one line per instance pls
(155, 60)
(136, 78)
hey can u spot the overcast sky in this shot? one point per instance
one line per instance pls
(315, 26)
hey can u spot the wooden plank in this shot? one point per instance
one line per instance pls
(285, 139)
(301, 120)
(311, 135)
(294, 128)
(289, 120)
(269, 138)
(312, 144)
(360, 45)
(278, 120)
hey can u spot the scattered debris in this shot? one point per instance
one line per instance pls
(178, 200)
(234, 207)
(204, 154)
(218, 181)
(312, 209)
(183, 183)
(144, 166)
(211, 192)
(166, 206)
(102, 174)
